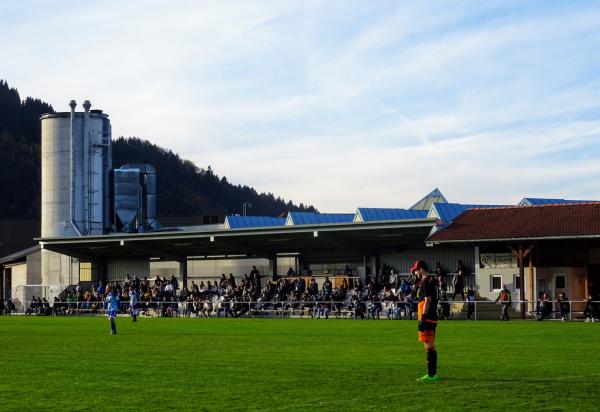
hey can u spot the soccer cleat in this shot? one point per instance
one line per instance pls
(427, 378)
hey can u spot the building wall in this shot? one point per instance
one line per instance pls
(448, 258)
(58, 271)
(19, 279)
(212, 269)
(117, 270)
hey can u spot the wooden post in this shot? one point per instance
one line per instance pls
(521, 255)
(531, 280)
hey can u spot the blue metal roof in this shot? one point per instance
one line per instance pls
(308, 218)
(536, 201)
(369, 214)
(240, 222)
(447, 212)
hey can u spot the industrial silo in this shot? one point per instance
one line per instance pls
(76, 161)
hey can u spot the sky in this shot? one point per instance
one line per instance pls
(337, 104)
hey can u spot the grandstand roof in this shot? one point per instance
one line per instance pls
(366, 214)
(308, 218)
(330, 241)
(237, 222)
(580, 220)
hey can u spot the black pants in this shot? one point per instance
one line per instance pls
(470, 310)
(459, 290)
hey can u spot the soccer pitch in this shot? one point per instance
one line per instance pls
(295, 364)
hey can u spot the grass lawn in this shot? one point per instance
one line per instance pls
(295, 364)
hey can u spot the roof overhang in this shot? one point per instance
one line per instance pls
(513, 239)
(331, 241)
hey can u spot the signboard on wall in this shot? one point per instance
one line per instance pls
(497, 260)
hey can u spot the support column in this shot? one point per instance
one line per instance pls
(531, 279)
(521, 255)
(183, 269)
(273, 266)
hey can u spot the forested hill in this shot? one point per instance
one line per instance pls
(20, 153)
(184, 189)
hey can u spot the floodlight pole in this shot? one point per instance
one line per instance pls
(245, 205)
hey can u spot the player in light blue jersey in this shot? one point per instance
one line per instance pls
(112, 308)
(133, 303)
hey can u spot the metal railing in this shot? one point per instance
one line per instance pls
(350, 309)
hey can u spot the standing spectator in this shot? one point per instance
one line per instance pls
(458, 282)
(505, 300)
(313, 288)
(590, 310)
(443, 287)
(175, 283)
(133, 303)
(565, 307)
(471, 300)
(327, 287)
(101, 289)
(544, 308)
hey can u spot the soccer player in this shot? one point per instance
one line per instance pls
(133, 301)
(427, 295)
(112, 307)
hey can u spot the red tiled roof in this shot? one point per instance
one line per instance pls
(524, 222)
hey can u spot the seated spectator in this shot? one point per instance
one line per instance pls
(323, 307)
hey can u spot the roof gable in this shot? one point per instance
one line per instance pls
(435, 196)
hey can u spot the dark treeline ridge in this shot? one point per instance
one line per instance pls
(184, 189)
(20, 133)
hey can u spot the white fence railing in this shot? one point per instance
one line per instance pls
(397, 310)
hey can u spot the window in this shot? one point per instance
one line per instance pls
(496, 282)
(517, 281)
(560, 282)
(85, 271)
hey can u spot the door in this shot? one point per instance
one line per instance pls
(545, 285)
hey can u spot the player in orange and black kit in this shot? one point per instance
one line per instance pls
(427, 295)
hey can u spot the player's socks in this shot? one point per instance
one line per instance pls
(113, 326)
(432, 362)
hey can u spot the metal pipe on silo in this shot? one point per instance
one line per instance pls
(73, 104)
(87, 151)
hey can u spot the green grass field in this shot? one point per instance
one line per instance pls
(294, 364)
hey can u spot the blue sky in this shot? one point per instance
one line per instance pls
(339, 104)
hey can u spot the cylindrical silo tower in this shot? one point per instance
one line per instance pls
(76, 161)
